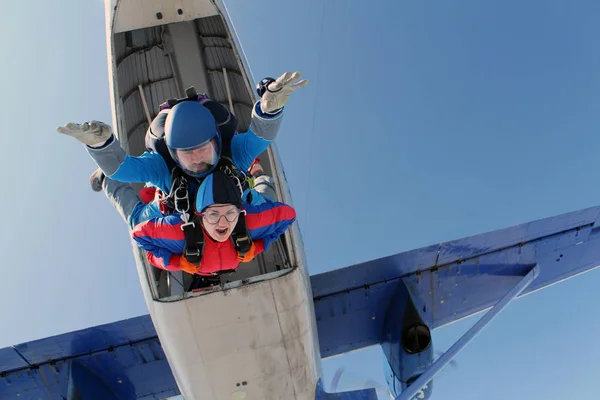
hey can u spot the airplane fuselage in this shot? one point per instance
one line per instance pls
(255, 336)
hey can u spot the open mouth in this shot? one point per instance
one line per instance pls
(221, 231)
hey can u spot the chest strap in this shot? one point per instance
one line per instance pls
(192, 230)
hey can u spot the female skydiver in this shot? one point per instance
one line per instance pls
(219, 204)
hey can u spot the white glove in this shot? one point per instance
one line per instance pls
(91, 133)
(278, 92)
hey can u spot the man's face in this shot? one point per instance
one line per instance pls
(219, 220)
(199, 159)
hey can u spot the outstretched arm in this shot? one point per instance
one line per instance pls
(266, 118)
(247, 146)
(268, 221)
(106, 150)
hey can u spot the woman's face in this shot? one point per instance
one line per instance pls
(219, 220)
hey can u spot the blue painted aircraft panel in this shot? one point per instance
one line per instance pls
(354, 316)
(457, 290)
(374, 271)
(10, 359)
(502, 238)
(361, 394)
(452, 280)
(88, 340)
(127, 356)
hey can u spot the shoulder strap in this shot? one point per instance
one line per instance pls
(244, 180)
(194, 240)
(242, 242)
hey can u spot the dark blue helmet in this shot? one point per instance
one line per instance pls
(193, 139)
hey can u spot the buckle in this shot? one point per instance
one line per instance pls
(187, 224)
(180, 201)
(243, 239)
(196, 253)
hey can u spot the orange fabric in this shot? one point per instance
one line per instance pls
(186, 266)
(256, 248)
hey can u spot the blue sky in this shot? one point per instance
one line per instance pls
(421, 123)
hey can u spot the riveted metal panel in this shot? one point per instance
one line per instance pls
(143, 67)
(136, 140)
(236, 86)
(218, 54)
(129, 42)
(243, 114)
(215, 41)
(212, 26)
(218, 58)
(132, 72)
(158, 64)
(133, 112)
(159, 92)
(10, 359)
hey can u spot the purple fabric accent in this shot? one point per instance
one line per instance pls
(201, 98)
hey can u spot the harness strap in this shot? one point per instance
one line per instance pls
(243, 179)
(194, 240)
(179, 197)
(242, 242)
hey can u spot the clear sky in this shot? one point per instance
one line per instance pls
(421, 123)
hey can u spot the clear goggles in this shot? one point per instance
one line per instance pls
(213, 216)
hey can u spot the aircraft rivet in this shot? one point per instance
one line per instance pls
(158, 15)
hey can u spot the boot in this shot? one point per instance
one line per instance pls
(96, 180)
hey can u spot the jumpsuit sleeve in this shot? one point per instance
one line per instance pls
(163, 239)
(247, 146)
(150, 167)
(268, 221)
(170, 264)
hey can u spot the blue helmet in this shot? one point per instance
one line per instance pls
(193, 139)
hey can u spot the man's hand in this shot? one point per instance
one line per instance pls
(91, 133)
(278, 92)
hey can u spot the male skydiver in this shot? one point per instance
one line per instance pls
(193, 141)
